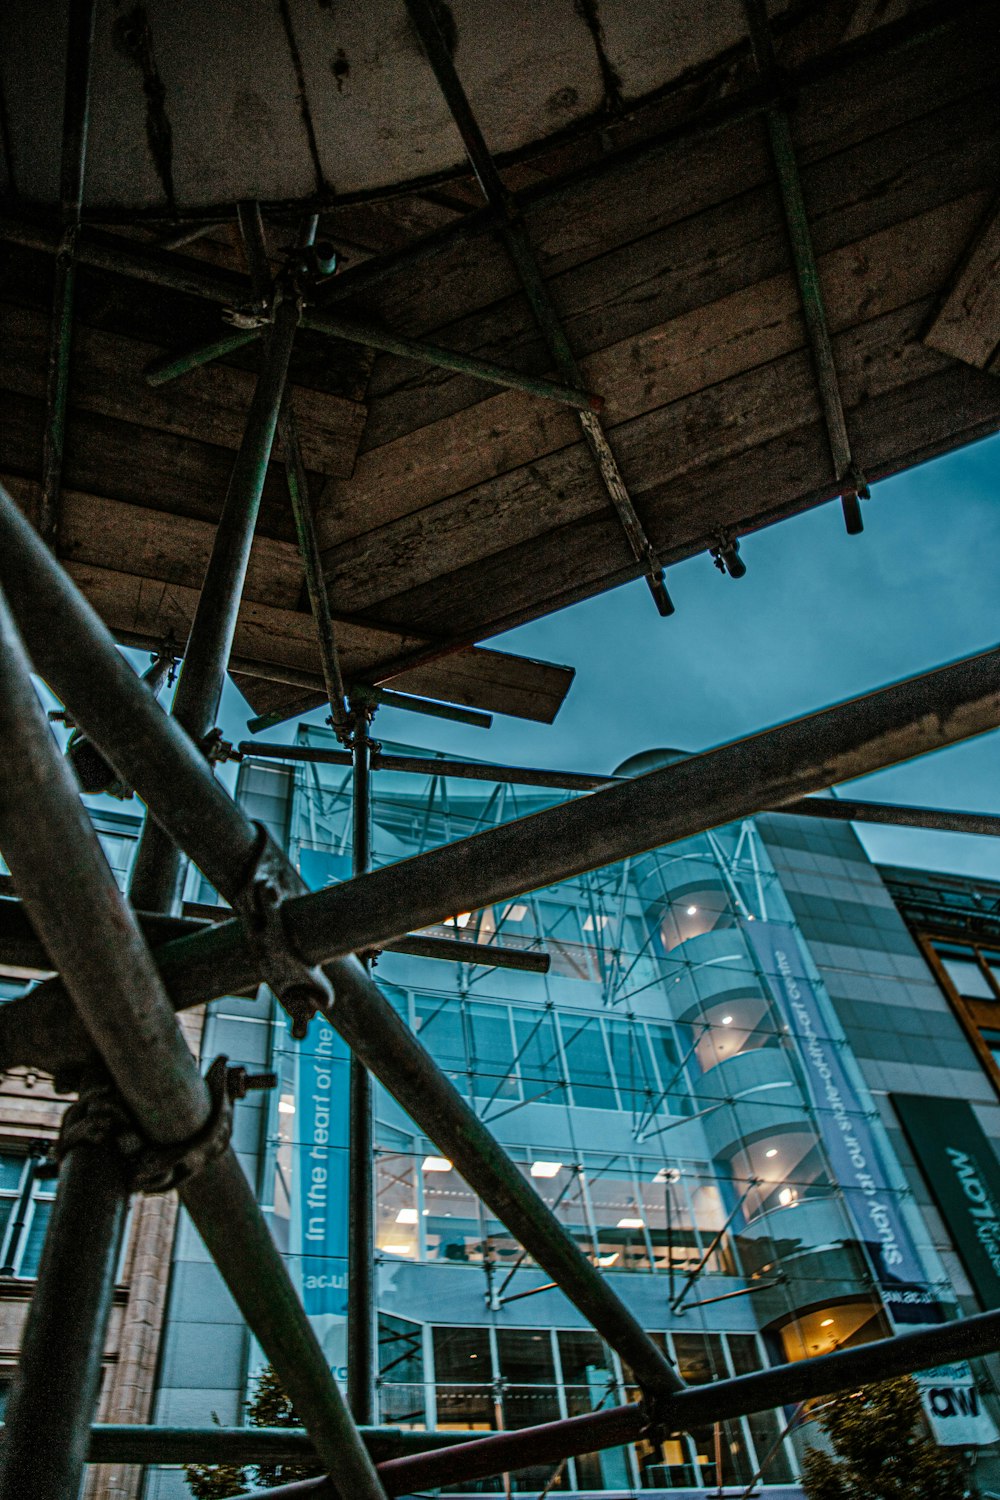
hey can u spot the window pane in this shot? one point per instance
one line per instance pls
(491, 1062)
(397, 1228)
(587, 1063)
(968, 978)
(41, 1213)
(439, 1026)
(401, 1368)
(11, 1168)
(633, 1069)
(464, 1379)
(451, 1217)
(589, 1384)
(618, 1215)
(538, 1057)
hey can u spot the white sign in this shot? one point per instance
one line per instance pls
(955, 1407)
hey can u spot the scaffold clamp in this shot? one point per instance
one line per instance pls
(99, 1117)
(301, 988)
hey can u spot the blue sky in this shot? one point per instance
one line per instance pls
(820, 616)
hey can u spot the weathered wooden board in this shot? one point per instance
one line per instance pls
(695, 174)
(967, 324)
(789, 474)
(136, 464)
(731, 416)
(701, 348)
(494, 681)
(169, 548)
(208, 405)
(702, 257)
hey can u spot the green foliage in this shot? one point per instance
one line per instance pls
(268, 1407)
(881, 1450)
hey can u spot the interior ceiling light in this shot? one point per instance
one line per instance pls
(406, 1216)
(515, 914)
(397, 1249)
(286, 1105)
(608, 1260)
(436, 1164)
(462, 920)
(727, 1020)
(692, 911)
(827, 1323)
(786, 1196)
(629, 1224)
(546, 1168)
(771, 1151)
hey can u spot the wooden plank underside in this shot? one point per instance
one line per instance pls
(725, 375)
(967, 324)
(208, 405)
(283, 639)
(633, 247)
(789, 474)
(695, 351)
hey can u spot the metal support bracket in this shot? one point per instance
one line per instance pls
(301, 988)
(99, 1116)
(854, 487)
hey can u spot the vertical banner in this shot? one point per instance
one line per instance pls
(320, 1202)
(857, 1159)
(963, 1173)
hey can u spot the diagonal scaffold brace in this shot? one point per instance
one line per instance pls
(169, 774)
(93, 936)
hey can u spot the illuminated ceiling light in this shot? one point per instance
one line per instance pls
(629, 1224)
(771, 1151)
(406, 1216)
(786, 1196)
(827, 1323)
(608, 1260)
(397, 1249)
(727, 1020)
(462, 920)
(436, 1164)
(598, 923)
(515, 914)
(546, 1168)
(692, 911)
(286, 1105)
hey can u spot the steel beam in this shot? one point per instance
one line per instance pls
(21, 946)
(896, 815)
(766, 772)
(134, 1443)
(512, 230)
(836, 809)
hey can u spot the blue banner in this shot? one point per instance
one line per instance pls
(857, 1158)
(320, 1201)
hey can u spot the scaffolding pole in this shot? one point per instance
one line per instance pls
(121, 716)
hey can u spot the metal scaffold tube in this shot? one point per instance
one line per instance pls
(694, 1407)
(57, 1384)
(93, 937)
(168, 773)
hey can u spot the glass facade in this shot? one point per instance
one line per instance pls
(679, 1090)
